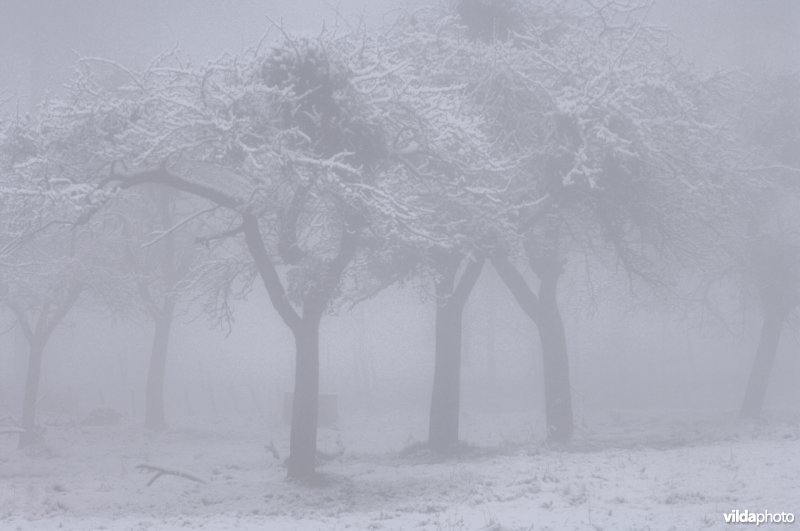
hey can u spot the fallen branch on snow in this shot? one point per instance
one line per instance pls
(161, 471)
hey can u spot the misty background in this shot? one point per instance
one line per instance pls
(625, 352)
(659, 357)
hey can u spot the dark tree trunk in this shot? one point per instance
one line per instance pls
(154, 397)
(445, 398)
(443, 429)
(543, 310)
(162, 313)
(37, 336)
(555, 365)
(306, 328)
(762, 365)
(305, 406)
(31, 397)
(303, 437)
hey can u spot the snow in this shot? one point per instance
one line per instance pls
(624, 470)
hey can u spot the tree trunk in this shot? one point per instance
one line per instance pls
(543, 310)
(491, 358)
(445, 399)
(555, 365)
(303, 438)
(154, 418)
(303, 434)
(762, 365)
(443, 430)
(37, 337)
(31, 397)
(154, 398)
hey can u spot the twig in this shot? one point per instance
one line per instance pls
(205, 240)
(161, 471)
(177, 226)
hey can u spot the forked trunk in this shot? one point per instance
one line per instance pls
(303, 434)
(37, 336)
(542, 308)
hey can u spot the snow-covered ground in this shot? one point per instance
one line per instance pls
(624, 471)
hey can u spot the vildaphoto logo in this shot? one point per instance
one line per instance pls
(737, 516)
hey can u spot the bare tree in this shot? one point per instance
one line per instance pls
(771, 250)
(49, 258)
(159, 253)
(440, 206)
(285, 142)
(620, 157)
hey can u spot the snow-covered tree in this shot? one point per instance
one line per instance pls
(620, 156)
(441, 200)
(160, 251)
(770, 251)
(51, 250)
(286, 141)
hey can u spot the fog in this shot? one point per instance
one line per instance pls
(469, 264)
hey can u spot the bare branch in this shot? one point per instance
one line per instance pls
(162, 471)
(178, 225)
(269, 275)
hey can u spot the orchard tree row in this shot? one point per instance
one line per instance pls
(501, 133)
